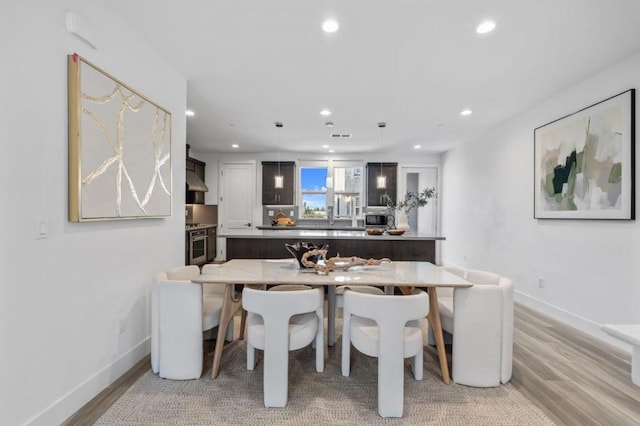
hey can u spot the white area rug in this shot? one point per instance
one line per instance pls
(235, 397)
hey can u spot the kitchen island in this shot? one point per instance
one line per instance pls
(270, 244)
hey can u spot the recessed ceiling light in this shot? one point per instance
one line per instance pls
(485, 27)
(235, 145)
(466, 112)
(332, 150)
(325, 112)
(417, 146)
(190, 113)
(325, 146)
(329, 124)
(330, 26)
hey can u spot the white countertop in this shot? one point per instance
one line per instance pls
(286, 271)
(330, 235)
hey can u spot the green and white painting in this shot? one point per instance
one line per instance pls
(584, 163)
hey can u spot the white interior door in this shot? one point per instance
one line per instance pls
(237, 195)
(415, 179)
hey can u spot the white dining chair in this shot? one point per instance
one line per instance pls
(279, 321)
(289, 287)
(179, 316)
(366, 289)
(445, 303)
(482, 351)
(479, 322)
(389, 328)
(213, 297)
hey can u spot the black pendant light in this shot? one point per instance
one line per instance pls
(278, 180)
(381, 180)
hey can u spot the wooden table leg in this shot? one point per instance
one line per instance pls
(229, 307)
(331, 315)
(243, 324)
(434, 319)
(436, 326)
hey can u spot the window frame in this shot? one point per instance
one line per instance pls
(315, 164)
(329, 192)
(359, 193)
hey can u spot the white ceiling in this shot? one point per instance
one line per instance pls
(412, 63)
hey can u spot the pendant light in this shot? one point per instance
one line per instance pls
(381, 180)
(329, 179)
(278, 182)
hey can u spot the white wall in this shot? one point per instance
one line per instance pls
(591, 267)
(74, 308)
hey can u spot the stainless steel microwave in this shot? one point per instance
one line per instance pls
(377, 220)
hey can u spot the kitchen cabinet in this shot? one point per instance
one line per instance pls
(278, 196)
(375, 194)
(400, 249)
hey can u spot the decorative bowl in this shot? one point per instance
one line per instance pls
(396, 231)
(375, 231)
(300, 248)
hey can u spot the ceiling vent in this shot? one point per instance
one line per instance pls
(341, 135)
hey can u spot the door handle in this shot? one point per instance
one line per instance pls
(248, 224)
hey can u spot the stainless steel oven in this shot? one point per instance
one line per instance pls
(198, 241)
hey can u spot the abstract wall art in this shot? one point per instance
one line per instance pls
(119, 149)
(584, 163)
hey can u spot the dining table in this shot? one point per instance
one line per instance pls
(405, 275)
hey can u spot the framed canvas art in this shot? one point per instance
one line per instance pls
(119, 149)
(584, 163)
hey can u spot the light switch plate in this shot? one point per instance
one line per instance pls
(42, 228)
(270, 213)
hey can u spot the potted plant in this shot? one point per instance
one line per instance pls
(412, 200)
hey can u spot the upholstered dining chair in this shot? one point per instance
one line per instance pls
(280, 321)
(445, 301)
(289, 287)
(389, 328)
(480, 318)
(179, 316)
(339, 294)
(213, 297)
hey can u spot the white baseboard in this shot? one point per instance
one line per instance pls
(583, 324)
(68, 404)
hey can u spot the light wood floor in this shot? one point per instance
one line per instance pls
(574, 378)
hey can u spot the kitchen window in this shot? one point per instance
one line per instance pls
(313, 191)
(347, 190)
(326, 185)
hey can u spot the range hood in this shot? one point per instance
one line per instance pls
(194, 183)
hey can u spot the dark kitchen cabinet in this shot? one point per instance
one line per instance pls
(280, 196)
(375, 194)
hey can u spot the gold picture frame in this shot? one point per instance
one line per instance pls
(119, 149)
